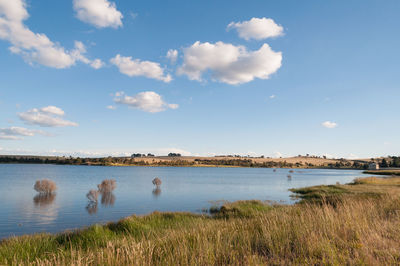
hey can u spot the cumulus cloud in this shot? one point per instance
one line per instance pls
(147, 101)
(52, 110)
(16, 133)
(257, 28)
(229, 63)
(100, 13)
(78, 54)
(111, 107)
(50, 116)
(136, 67)
(329, 124)
(33, 47)
(172, 55)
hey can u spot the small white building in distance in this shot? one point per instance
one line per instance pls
(373, 166)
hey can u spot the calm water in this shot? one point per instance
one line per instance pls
(183, 189)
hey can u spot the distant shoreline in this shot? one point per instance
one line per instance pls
(299, 162)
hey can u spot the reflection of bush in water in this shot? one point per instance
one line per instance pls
(92, 208)
(156, 192)
(107, 198)
(43, 200)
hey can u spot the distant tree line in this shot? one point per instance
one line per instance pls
(391, 161)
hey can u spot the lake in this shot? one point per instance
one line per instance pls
(22, 211)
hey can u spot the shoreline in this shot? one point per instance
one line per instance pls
(299, 162)
(188, 166)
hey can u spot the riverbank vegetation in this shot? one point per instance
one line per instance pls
(383, 172)
(358, 223)
(217, 161)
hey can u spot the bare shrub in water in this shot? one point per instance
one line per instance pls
(45, 186)
(157, 182)
(92, 195)
(107, 185)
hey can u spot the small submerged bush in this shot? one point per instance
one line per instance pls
(92, 195)
(45, 186)
(157, 181)
(107, 186)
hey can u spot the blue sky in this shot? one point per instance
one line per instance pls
(285, 78)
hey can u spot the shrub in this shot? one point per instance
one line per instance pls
(92, 195)
(157, 182)
(45, 186)
(107, 185)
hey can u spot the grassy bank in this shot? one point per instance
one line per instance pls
(357, 223)
(383, 172)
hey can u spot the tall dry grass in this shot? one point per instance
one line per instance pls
(353, 231)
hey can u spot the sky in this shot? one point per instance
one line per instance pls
(273, 78)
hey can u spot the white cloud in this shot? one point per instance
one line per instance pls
(79, 55)
(329, 124)
(49, 116)
(8, 137)
(97, 63)
(96, 153)
(111, 107)
(33, 47)
(135, 67)
(229, 63)
(272, 96)
(52, 110)
(352, 156)
(257, 28)
(100, 13)
(16, 133)
(172, 55)
(147, 101)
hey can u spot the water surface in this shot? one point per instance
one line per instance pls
(22, 211)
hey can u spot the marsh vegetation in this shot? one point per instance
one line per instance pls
(356, 223)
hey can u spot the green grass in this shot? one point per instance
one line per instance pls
(358, 223)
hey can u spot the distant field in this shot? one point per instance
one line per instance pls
(316, 162)
(191, 161)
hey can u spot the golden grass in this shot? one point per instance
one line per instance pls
(354, 230)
